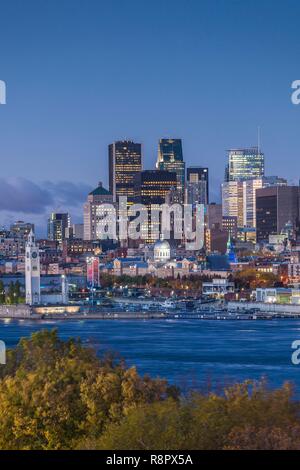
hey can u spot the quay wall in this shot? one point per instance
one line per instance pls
(264, 307)
(15, 311)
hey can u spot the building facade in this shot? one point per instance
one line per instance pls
(170, 158)
(152, 188)
(232, 201)
(197, 186)
(94, 219)
(249, 201)
(125, 162)
(57, 225)
(32, 271)
(275, 208)
(244, 164)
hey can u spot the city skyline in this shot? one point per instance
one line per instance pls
(65, 105)
(65, 191)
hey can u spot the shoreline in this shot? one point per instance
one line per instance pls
(154, 316)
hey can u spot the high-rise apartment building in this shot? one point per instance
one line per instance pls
(275, 207)
(58, 222)
(244, 164)
(125, 162)
(170, 158)
(197, 185)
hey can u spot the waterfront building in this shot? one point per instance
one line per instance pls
(217, 288)
(170, 158)
(57, 224)
(197, 185)
(244, 164)
(125, 162)
(276, 207)
(93, 218)
(32, 271)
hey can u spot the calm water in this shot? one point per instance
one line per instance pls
(186, 352)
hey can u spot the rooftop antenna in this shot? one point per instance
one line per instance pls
(258, 139)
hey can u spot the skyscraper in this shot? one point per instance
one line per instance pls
(275, 207)
(249, 201)
(152, 187)
(232, 201)
(125, 161)
(197, 188)
(57, 225)
(170, 158)
(245, 164)
(94, 221)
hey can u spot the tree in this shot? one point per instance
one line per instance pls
(17, 292)
(2, 292)
(55, 392)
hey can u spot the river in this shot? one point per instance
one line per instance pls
(186, 352)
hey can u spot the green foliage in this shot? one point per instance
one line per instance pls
(55, 392)
(2, 292)
(12, 295)
(214, 422)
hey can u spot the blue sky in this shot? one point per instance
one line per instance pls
(81, 74)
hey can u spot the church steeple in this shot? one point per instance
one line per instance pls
(230, 250)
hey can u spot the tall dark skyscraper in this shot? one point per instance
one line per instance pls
(170, 158)
(197, 185)
(245, 164)
(152, 187)
(275, 207)
(125, 162)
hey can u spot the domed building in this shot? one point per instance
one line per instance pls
(162, 251)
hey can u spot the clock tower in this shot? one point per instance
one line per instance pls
(32, 271)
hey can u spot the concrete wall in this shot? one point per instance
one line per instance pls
(15, 311)
(270, 308)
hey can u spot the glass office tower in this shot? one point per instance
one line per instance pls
(170, 158)
(125, 162)
(245, 164)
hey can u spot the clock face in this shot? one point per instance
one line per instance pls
(34, 255)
